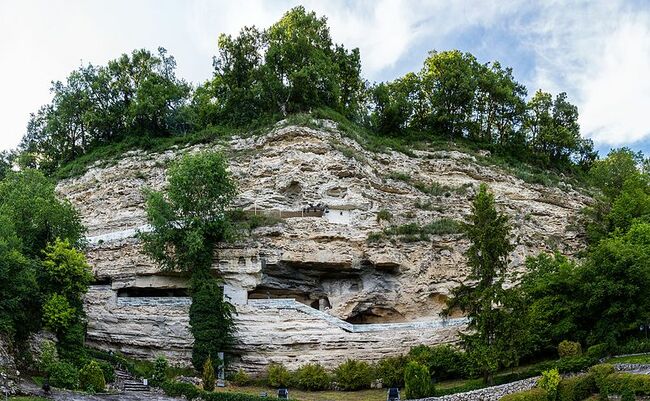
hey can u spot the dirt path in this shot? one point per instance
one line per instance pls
(66, 395)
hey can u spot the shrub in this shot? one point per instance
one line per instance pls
(312, 377)
(391, 371)
(64, 375)
(278, 375)
(535, 394)
(107, 370)
(208, 375)
(598, 351)
(569, 349)
(353, 375)
(616, 383)
(576, 388)
(91, 377)
(160, 367)
(600, 372)
(549, 382)
(443, 361)
(574, 364)
(417, 382)
(48, 357)
(628, 395)
(384, 214)
(241, 378)
(178, 389)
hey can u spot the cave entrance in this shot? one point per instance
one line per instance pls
(375, 315)
(316, 301)
(152, 292)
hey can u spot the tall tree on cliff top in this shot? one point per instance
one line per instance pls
(188, 219)
(494, 329)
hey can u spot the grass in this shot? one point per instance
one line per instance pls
(362, 395)
(640, 359)
(414, 232)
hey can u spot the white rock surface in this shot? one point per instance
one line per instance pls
(323, 261)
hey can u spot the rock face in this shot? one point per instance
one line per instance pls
(368, 292)
(8, 373)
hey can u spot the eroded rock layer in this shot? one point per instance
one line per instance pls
(332, 261)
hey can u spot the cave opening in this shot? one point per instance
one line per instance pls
(152, 292)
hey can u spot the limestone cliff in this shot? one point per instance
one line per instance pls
(311, 287)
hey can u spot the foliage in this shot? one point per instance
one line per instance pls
(137, 93)
(48, 356)
(549, 382)
(411, 232)
(535, 394)
(208, 375)
(442, 361)
(498, 336)
(241, 378)
(278, 375)
(598, 351)
(391, 370)
(160, 367)
(576, 388)
(108, 370)
(384, 214)
(58, 315)
(353, 375)
(188, 220)
(65, 271)
(64, 375)
(91, 377)
(628, 395)
(569, 348)
(191, 392)
(312, 377)
(417, 382)
(600, 373)
(616, 383)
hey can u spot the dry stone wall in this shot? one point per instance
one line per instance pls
(325, 262)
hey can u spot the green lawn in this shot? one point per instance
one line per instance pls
(362, 395)
(641, 359)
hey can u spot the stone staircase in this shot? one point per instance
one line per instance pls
(126, 382)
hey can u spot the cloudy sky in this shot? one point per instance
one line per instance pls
(596, 51)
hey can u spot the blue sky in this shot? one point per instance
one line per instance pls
(596, 51)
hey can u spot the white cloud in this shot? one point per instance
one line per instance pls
(598, 52)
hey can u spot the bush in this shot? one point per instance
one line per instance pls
(576, 388)
(353, 375)
(160, 367)
(616, 383)
(107, 370)
(278, 375)
(64, 375)
(391, 371)
(49, 356)
(574, 364)
(208, 375)
(241, 378)
(535, 394)
(628, 395)
(569, 349)
(598, 351)
(443, 361)
(384, 214)
(549, 382)
(312, 377)
(600, 372)
(417, 382)
(191, 392)
(91, 377)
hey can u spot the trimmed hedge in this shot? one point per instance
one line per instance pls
(535, 394)
(576, 388)
(191, 392)
(616, 383)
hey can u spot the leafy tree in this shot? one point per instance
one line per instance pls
(611, 173)
(58, 315)
(66, 272)
(497, 333)
(188, 220)
(613, 285)
(160, 367)
(28, 199)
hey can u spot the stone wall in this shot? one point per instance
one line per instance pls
(490, 393)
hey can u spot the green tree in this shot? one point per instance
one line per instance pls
(58, 315)
(66, 272)
(496, 332)
(188, 219)
(208, 375)
(29, 200)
